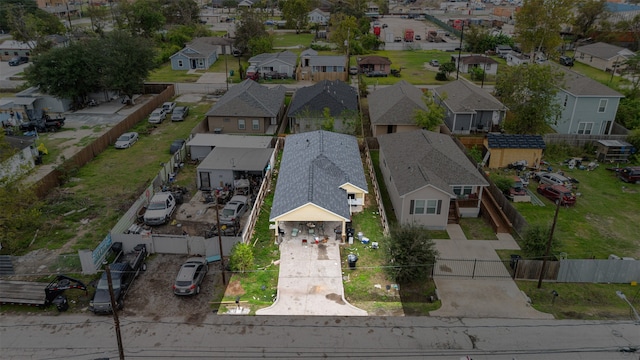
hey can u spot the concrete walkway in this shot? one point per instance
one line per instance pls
(310, 281)
(490, 291)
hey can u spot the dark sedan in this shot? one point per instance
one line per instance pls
(557, 192)
(377, 74)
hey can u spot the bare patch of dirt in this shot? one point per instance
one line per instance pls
(152, 295)
(234, 289)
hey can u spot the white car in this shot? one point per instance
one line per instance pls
(233, 210)
(160, 209)
(157, 116)
(168, 107)
(126, 140)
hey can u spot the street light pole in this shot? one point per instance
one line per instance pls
(635, 312)
(546, 252)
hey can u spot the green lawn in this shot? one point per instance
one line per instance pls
(165, 73)
(290, 39)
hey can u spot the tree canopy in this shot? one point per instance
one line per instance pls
(539, 24)
(295, 13)
(589, 17)
(529, 91)
(251, 27)
(478, 40)
(409, 253)
(118, 61)
(431, 118)
(180, 12)
(29, 24)
(140, 18)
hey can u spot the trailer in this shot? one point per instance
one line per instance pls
(408, 35)
(39, 294)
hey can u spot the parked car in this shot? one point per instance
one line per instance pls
(126, 140)
(176, 145)
(553, 179)
(160, 209)
(275, 75)
(566, 61)
(397, 39)
(168, 107)
(157, 116)
(180, 113)
(191, 276)
(384, 26)
(434, 63)
(377, 74)
(630, 174)
(233, 210)
(557, 192)
(516, 189)
(18, 60)
(418, 38)
(353, 70)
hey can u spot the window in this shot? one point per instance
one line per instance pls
(602, 106)
(180, 63)
(462, 190)
(585, 128)
(255, 123)
(487, 67)
(428, 207)
(241, 124)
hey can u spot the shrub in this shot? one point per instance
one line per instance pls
(241, 257)
(535, 242)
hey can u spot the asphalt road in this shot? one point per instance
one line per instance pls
(285, 337)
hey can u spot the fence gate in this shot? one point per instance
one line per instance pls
(472, 268)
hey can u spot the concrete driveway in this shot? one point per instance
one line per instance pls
(310, 281)
(489, 291)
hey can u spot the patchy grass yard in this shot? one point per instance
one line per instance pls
(166, 74)
(290, 39)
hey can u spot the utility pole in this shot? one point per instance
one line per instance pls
(546, 252)
(224, 280)
(114, 311)
(460, 51)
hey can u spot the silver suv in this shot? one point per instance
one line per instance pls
(553, 179)
(191, 276)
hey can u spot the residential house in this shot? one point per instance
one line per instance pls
(392, 109)
(317, 16)
(468, 108)
(587, 106)
(22, 156)
(374, 63)
(223, 166)
(471, 61)
(247, 108)
(245, 4)
(503, 50)
(200, 54)
(602, 56)
(34, 103)
(429, 179)
(12, 48)
(324, 105)
(321, 182)
(201, 144)
(515, 58)
(283, 62)
(316, 67)
(507, 149)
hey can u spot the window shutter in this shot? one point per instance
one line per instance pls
(439, 207)
(411, 208)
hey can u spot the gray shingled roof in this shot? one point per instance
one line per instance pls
(335, 95)
(327, 60)
(604, 51)
(463, 97)
(580, 85)
(420, 158)
(395, 105)
(239, 159)
(285, 56)
(249, 99)
(374, 60)
(314, 166)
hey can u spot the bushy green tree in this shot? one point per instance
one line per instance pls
(241, 258)
(535, 242)
(538, 24)
(29, 24)
(589, 17)
(251, 27)
(409, 253)
(180, 12)
(140, 18)
(295, 13)
(431, 118)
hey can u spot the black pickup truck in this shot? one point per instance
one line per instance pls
(44, 124)
(124, 270)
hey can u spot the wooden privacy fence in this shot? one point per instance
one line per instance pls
(376, 190)
(580, 270)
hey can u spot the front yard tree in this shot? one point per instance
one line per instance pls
(140, 18)
(590, 13)
(345, 29)
(180, 12)
(539, 23)
(251, 27)
(295, 13)
(409, 253)
(529, 91)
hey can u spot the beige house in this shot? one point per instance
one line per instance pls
(392, 108)
(321, 182)
(603, 56)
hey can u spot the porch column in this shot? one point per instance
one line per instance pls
(480, 196)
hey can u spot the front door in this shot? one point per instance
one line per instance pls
(193, 63)
(205, 181)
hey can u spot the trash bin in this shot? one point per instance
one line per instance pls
(352, 259)
(514, 260)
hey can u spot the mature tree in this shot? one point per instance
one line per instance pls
(431, 118)
(295, 13)
(632, 69)
(345, 31)
(370, 42)
(128, 60)
(535, 242)
(409, 254)
(99, 16)
(632, 26)
(590, 13)
(628, 114)
(355, 8)
(32, 25)
(28, 6)
(539, 23)
(260, 45)
(480, 40)
(529, 91)
(180, 12)
(250, 27)
(140, 18)
(71, 72)
(447, 69)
